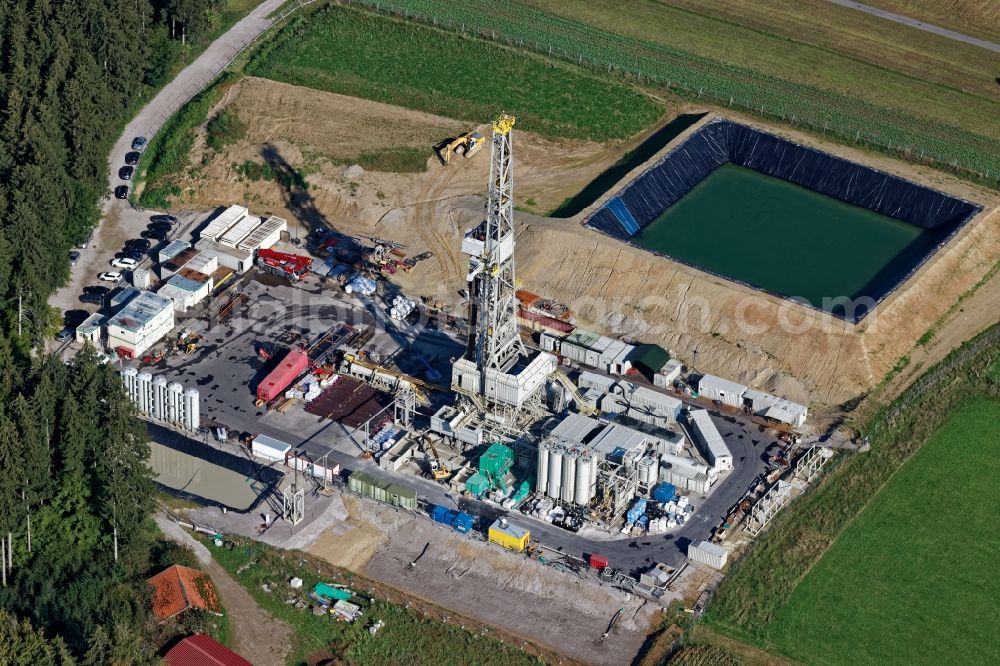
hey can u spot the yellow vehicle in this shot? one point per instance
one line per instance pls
(439, 471)
(466, 145)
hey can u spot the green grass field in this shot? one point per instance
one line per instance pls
(924, 99)
(370, 55)
(979, 18)
(912, 580)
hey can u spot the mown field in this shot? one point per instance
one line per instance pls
(911, 580)
(881, 102)
(979, 18)
(407, 637)
(888, 560)
(369, 55)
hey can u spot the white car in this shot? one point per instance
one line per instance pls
(124, 262)
(110, 276)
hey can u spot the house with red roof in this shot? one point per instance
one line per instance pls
(202, 650)
(178, 588)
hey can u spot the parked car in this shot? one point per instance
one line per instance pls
(110, 276)
(73, 318)
(121, 192)
(164, 226)
(140, 243)
(138, 143)
(156, 234)
(125, 173)
(132, 158)
(169, 219)
(124, 262)
(64, 335)
(73, 258)
(96, 299)
(96, 289)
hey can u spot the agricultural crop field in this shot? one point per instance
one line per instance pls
(912, 580)
(370, 55)
(890, 557)
(887, 105)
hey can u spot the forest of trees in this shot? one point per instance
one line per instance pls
(75, 492)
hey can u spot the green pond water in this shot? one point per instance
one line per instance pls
(785, 238)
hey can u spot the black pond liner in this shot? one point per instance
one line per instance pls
(268, 476)
(720, 141)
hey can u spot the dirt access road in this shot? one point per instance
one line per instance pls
(919, 25)
(256, 635)
(120, 221)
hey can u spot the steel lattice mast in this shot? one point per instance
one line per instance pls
(497, 343)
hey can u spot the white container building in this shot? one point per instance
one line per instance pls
(716, 388)
(709, 440)
(707, 553)
(775, 408)
(143, 322)
(666, 376)
(269, 448)
(186, 289)
(511, 388)
(597, 351)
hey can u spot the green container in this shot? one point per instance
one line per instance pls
(477, 484)
(522, 491)
(497, 461)
(329, 592)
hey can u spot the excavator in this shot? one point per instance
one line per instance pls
(439, 471)
(467, 145)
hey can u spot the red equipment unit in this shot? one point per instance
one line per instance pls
(292, 266)
(598, 561)
(294, 364)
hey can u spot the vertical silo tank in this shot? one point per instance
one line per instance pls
(128, 379)
(144, 391)
(159, 405)
(555, 473)
(568, 476)
(192, 409)
(542, 470)
(584, 489)
(175, 400)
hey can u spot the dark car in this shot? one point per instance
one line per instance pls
(96, 289)
(96, 299)
(140, 243)
(159, 225)
(155, 234)
(136, 255)
(121, 192)
(125, 173)
(169, 219)
(74, 318)
(138, 143)
(73, 258)
(132, 158)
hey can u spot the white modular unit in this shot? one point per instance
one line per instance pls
(222, 222)
(269, 448)
(709, 554)
(709, 440)
(716, 388)
(549, 342)
(775, 408)
(666, 376)
(593, 380)
(266, 235)
(239, 231)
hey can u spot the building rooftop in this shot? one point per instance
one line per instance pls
(260, 234)
(223, 221)
(239, 231)
(720, 383)
(201, 262)
(178, 261)
(172, 249)
(178, 588)
(91, 324)
(510, 529)
(212, 247)
(575, 428)
(202, 650)
(140, 311)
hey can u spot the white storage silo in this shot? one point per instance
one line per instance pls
(555, 473)
(192, 409)
(128, 379)
(159, 403)
(542, 469)
(175, 402)
(584, 489)
(144, 392)
(568, 477)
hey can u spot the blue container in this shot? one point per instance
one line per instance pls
(643, 521)
(637, 510)
(665, 492)
(449, 518)
(438, 513)
(463, 522)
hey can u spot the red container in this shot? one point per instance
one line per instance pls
(279, 379)
(598, 561)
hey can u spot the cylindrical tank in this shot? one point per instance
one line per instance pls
(555, 473)
(542, 470)
(584, 491)
(568, 477)
(159, 397)
(594, 461)
(175, 396)
(144, 392)
(192, 409)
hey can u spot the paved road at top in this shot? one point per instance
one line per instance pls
(120, 221)
(919, 25)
